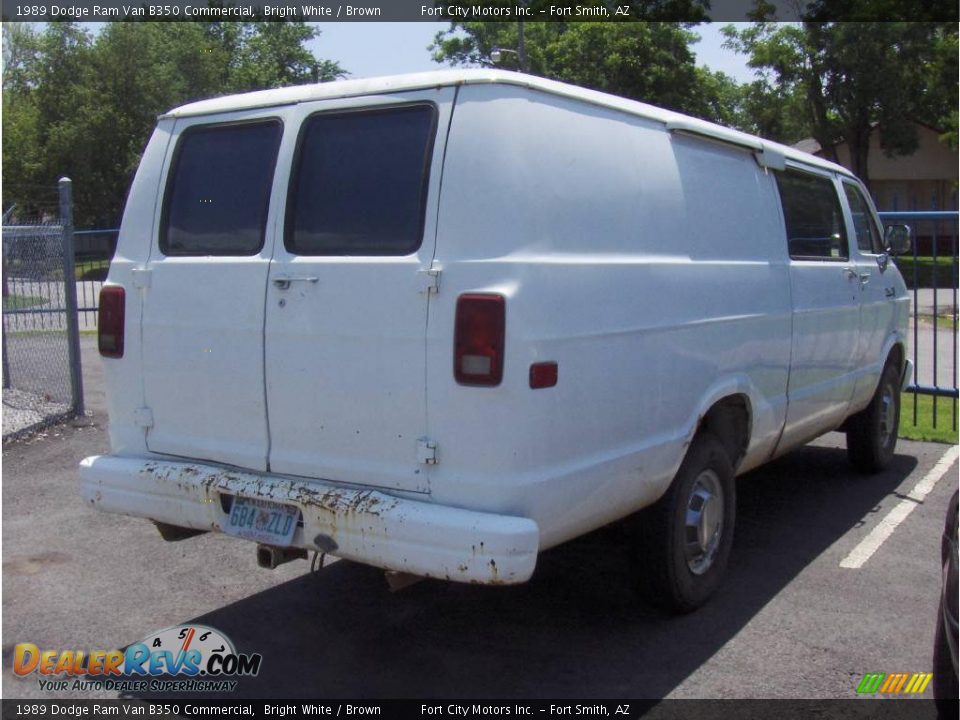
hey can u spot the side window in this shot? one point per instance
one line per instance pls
(359, 186)
(868, 234)
(219, 190)
(814, 220)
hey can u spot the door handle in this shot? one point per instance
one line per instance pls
(864, 279)
(890, 292)
(849, 272)
(283, 281)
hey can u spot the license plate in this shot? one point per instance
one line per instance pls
(262, 521)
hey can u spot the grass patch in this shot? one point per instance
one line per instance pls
(21, 302)
(924, 430)
(930, 274)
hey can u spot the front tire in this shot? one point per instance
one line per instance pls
(944, 673)
(685, 538)
(872, 432)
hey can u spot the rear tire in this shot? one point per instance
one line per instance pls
(685, 538)
(872, 432)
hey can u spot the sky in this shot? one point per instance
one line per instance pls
(369, 49)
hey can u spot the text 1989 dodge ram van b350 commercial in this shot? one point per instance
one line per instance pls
(438, 323)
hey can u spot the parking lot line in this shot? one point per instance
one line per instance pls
(884, 529)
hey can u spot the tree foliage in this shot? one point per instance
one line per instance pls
(844, 80)
(84, 106)
(648, 61)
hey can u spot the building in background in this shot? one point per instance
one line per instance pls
(924, 180)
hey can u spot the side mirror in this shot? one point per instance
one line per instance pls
(897, 239)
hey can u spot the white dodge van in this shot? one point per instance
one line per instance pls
(438, 323)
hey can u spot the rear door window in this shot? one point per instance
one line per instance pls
(359, 185)
(219, 189)
(814, 219)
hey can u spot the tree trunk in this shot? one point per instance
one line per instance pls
(820, 122)
(858, 142)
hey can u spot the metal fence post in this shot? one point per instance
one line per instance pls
(6, 359)
(65, 186)
(6, 294)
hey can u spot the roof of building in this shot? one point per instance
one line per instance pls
(774, 152)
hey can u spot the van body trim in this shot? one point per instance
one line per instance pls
(766, 155)
(368, 526)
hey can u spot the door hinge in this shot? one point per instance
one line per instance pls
(143, 417)
(431, 278)
(426, 452)
(141, 277)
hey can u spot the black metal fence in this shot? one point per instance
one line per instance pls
(94, 250)
(931, 273)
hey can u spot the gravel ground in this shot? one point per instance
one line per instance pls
(24, 410)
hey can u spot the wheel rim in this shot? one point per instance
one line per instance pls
(888, 414)
(704, 522)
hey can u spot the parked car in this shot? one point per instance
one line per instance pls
(438, 323)
(945, 643)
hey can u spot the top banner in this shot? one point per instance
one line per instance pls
(480, 10)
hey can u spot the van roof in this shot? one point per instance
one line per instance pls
(415, 81)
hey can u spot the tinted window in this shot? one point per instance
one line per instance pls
(868, 234)
(219, 190)
(360, 183)
(813, 217)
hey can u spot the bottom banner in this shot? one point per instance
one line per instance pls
(872, 709)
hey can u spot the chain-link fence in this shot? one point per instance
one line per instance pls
(41, 362)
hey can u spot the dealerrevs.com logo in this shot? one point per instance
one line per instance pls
(185, 658)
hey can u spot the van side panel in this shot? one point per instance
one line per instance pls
(123, 378)
(649, 266)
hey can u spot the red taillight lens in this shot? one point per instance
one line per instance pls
(110, 322)
(478, 339)
(543, 375)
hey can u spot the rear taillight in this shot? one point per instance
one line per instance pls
(110, 321)
(478, 339)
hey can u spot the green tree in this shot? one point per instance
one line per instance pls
(20, 124)
(42, 76)
(886, 10)
(850, 78)
(648, 61)
(258, 55)
(84, 107)
(723, 99)
(175, 64)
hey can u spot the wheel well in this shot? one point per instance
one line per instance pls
(896, 354)
(729, 421)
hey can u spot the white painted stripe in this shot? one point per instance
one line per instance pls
(884, 529)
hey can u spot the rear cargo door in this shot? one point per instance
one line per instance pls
(348, 291)
(203, 290)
